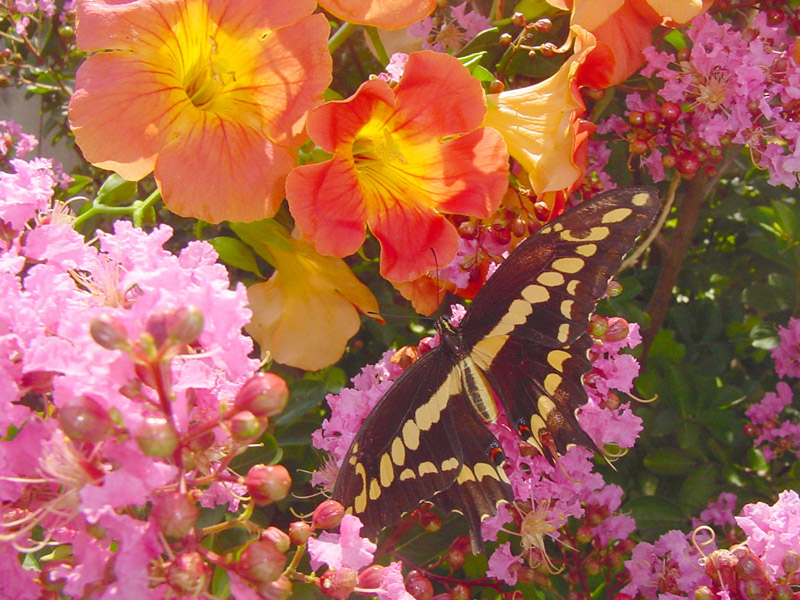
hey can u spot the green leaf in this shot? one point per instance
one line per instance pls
(656, 514)
(699, 486)
(669, 462)
(676, 39)
(116, 190)
(304, 396)
(236, 253)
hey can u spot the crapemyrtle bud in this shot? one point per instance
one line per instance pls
(175, 514)
(280, 589)
(338, 584)
(186, 324)
(430, 521)
(370, 578)
(109, 332)
(245, 427)
(419, 586)
(791, 561)
(720, 567)
(188, 574)
(703, 593)
(278, 537)
(460, 592)
(264, 395)
(613, 289)
(268, 483)
(261, 562)
(598, 325)
(157, 437)
(457, 552)
(299, 532)
(327, 515)
(84, 420)
(617, 329)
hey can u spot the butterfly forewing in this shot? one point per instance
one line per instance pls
(525, 333)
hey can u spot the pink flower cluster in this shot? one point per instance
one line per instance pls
(118, 363)
(450, 33)
(740, 87)
(764, 566)
(773, 431)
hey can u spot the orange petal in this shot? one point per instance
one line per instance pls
(218, 170)
(439, 94)
(334, 125)
(306, 312)
(414, 239)
(294, 69)
(327, 205)
(423, 292)
(474, 174)
(386, 14)
(120, 111)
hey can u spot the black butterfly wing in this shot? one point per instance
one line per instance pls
(422, 438)
(535, 354)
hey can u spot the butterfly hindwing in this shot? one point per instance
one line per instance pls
(423, 437)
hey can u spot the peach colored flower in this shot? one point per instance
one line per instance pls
(386, 14)
(623, 28)
(211, 95)
(401, 158)
(541, 125)
(305, 313)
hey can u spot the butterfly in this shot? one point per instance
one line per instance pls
(523, 342)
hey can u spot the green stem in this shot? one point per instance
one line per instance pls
(383, 57)
(135, 210)
(340, 36)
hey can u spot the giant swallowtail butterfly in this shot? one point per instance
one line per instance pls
(524, 338)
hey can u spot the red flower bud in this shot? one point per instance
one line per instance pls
(617, 330)
(280, 589)
(186, 324)
(299, 532)
(261, 562)
(109, 332)
(157, 437)
(188, 574)
(370, 578)
(268, 483)
(245, 427)
(327, 515)
(84, 420)
(264, 395)
(277, 537)
(460, 592)
(419, 586)
(598, 325)
(175, 514)
(338, 584)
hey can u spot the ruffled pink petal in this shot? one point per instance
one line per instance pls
(328, 206)
(218, 170)
(439, 94)
(414, 239)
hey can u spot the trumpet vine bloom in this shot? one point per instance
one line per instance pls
(623, 29)
(402, 158)
(211, 95)
(386, 14)
(541, 125)
(308, 310)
